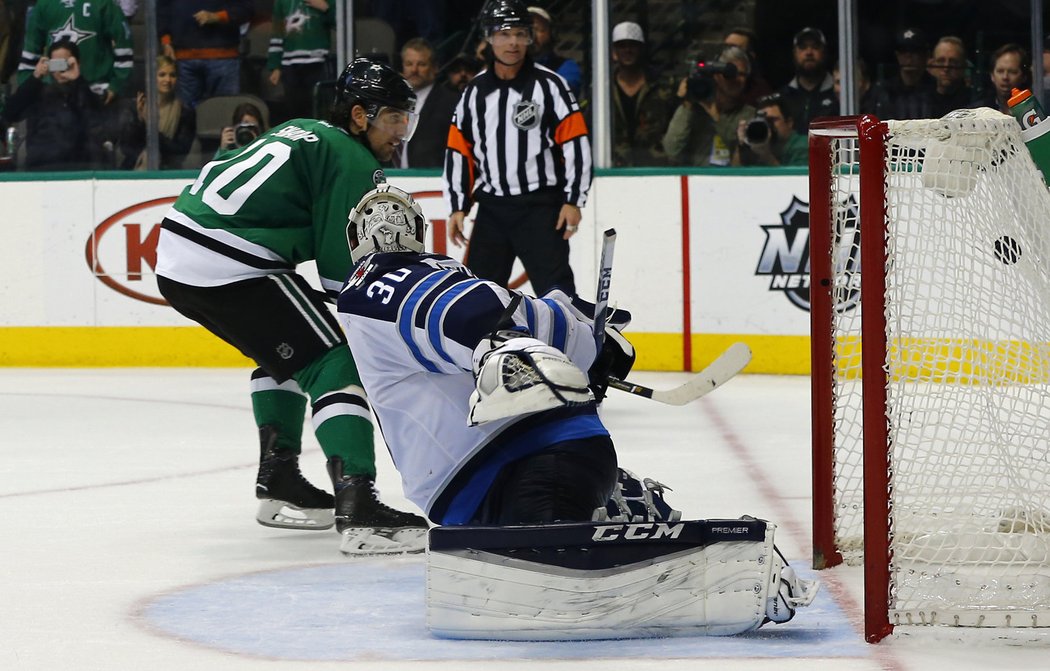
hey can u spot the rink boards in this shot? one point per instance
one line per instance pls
(703, 260)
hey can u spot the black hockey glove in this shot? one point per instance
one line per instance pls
(615, 360)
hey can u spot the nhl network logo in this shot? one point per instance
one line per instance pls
(785, 256)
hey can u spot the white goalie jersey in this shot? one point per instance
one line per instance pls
(412, 322)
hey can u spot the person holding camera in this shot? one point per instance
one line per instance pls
(703, 130)
(65, 123)
(98, 29)
(247, 125)
(770, 138)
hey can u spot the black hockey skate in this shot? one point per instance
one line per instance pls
(287, 500)
(367, 525)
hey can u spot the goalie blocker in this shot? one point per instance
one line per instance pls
(595, 580)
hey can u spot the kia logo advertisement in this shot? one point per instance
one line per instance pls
(122, 250)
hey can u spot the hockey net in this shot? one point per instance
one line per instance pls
(931, 443)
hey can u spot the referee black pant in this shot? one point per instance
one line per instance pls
(523, 227)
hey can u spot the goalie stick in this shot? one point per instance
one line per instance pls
(720, 371)
(601, 300)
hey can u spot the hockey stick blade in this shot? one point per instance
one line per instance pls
(720, 371)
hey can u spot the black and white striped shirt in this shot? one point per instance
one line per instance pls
(510, 137)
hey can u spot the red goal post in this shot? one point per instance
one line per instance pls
(860, 135)
(930, 342)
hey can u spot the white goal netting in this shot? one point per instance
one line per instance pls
(967, 307)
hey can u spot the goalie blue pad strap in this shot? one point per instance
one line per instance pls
(595, 545)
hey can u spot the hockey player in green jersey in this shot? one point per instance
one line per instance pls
(226, 258)
(100, 32)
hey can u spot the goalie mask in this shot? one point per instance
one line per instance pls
(386, 219)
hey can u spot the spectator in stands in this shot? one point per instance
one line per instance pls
(247, 123)
(128, 7)
(871, 99)
(642, 106)
(176, 127)
(435, 104)
(461, 70)
(7, 41)
(542, 50)
(811, 93)
(911, 90)
(1009, 71)
(204, 37)
(703, 128)
(98, 29)
(12, 28)
(1046, 71)
(770, 138)
(948, 67)
(65, 123)
(757, 86)
(298, 52)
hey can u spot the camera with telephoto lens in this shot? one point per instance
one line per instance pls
(700, 85)
(759, 131)
(245, 133)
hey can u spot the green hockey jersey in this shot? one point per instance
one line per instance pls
(97, 27)
(301, 34)
(280, 201)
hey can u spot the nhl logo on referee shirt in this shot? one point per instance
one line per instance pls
(527, 114)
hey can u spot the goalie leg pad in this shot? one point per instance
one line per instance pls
(524, 375)
(601, 580)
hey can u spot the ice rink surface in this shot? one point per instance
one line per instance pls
(129, 541)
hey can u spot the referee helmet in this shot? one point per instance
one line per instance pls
(503, 14)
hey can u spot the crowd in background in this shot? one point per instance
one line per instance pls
(72, 80)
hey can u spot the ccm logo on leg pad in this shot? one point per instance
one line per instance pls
(635, 532)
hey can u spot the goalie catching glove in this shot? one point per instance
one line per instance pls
(516, 374)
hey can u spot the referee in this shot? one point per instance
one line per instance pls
(518, 145)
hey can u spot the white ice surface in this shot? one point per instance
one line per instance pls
(128, 540)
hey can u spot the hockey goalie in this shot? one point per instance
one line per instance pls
(488, 402)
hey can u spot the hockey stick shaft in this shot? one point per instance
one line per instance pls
(601, 300)
(720, 371)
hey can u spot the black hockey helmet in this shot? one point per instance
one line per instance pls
(375, 85)
(502, 14)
